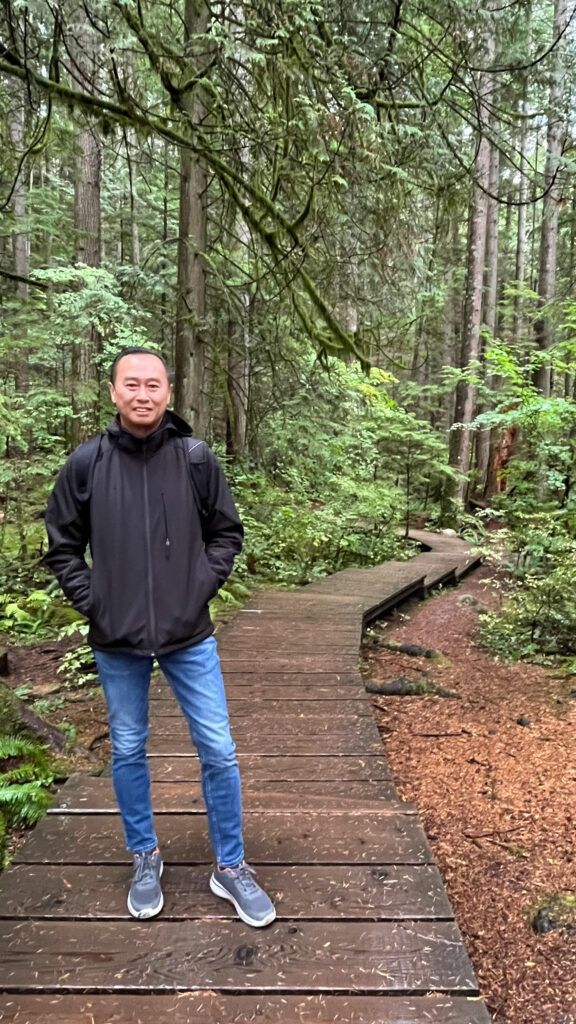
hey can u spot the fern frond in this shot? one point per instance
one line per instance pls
(26, 803)
(16, 746)
(25, 773)
(20, 746)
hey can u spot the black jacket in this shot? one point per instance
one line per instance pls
(156, 561)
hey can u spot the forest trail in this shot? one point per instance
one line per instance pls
(365, 932)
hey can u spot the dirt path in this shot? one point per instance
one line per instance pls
(498, 799)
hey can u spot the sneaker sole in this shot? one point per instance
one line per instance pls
(141, 915)
(219, 890)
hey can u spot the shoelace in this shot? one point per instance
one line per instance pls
(145, 871)
(243, 876)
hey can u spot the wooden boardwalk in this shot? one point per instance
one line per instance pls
(365, 933)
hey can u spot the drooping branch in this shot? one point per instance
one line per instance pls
(127, 114)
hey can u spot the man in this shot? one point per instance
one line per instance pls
(156, 510)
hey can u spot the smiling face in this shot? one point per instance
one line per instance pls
(140, 392)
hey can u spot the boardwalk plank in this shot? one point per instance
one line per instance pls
(159, 687)
(212, 1008)
(309, 893)
(270, 663)
(270, 839)
(298, 768)
(242, 700)
(311, 743)
(402, 957)
(282, 724)
(90, 795)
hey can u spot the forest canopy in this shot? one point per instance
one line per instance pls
(351, 230)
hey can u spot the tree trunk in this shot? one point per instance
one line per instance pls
(87, 228)
(461, 439)
(543, 330)
(490, 296)
(191, 357)
(20, 243)
(520, 268)
(452, 312)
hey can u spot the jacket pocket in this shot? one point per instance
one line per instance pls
(213, 583)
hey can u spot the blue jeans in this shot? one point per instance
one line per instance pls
(196, 680)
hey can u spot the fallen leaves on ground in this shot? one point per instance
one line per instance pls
(497, 798)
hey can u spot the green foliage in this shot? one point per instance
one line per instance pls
(538, 618)
(341, 467)
(25, 776)
(77, 666)
(34, 614)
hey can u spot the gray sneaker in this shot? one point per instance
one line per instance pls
(145, 898)
(238, 886)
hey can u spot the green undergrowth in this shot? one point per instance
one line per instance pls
(26, 775)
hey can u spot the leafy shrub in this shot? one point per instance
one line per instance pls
(539, 615)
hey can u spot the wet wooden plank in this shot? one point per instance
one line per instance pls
(242, 699)
(312, 664)
(240, 708)
(160, 688)
(214, 1008)
(267, 637)
(415, 957)
(382, 580)
(305, 893)
(270, 839)
(95, 796)
(355, 742)
(324, 607)
(265, 647)
(272, 632)
(298, 768)
(279, 724)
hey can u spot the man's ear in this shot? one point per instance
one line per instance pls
(112, 391)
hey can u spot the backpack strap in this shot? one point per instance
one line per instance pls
(195, 453)
(83, 462)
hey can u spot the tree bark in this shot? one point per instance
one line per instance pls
(88, 234)
(461, 439)
(543, 329)
(490, 296)
(192, 353)
(20, 243)
(520, 268)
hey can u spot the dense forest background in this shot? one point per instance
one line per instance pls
(351, 230)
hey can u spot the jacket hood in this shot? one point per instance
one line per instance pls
(171, 425)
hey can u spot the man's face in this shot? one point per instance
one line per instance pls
(140, 392)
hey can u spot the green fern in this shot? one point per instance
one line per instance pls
(25, 803)
(24, 797)
(20, 746)
(24, 773)
(3, 856)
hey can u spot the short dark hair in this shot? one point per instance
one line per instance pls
(136, 350)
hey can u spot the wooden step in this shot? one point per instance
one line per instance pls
(274, 838)
(215, 1008)
(96, 796)
(129, 956)
(255, 768)
(310, 892)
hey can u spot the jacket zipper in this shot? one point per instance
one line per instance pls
(151, 612)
